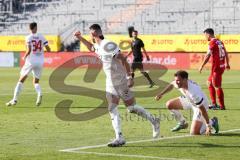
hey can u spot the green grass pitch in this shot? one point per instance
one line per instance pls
(28, 132)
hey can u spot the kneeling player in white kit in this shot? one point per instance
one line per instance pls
(118, 81)
(34, 60)
(193, 98)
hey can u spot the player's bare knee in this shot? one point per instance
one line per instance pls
(217, 87)
(130, 102)
(130, 109)
(22, 79)
(194, 133)
(36, 81)
(111, 107)
(169, 105)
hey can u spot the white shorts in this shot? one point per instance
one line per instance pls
(197, 115)
(36, 70)
(122, 91)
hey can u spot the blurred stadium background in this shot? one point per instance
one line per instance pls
(62, 17)
(172, 33)
(164, 25)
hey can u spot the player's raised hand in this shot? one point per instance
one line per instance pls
(78, 34)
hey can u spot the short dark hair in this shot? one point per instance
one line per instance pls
(209, 31)
(95, 27)
(32, 25)
(181, 73)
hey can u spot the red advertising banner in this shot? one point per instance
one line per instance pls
(167, 60)
(157, 59)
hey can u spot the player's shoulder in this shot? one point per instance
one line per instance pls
(212, 42)
(193, 86)
(139, 39)
(40, 35)
(29, 36)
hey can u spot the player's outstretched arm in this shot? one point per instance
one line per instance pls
(167, 89)
(206, 118)
(206, 59)
(88, 44)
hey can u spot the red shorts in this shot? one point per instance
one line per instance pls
(215, 78)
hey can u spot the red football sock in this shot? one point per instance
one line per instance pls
(220, 97)
(212, 94)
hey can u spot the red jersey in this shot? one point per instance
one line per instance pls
(218, 53)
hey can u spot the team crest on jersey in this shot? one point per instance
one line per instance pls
(110, 47)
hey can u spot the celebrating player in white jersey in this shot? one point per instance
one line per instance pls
(193, 98)
(34, 60)
(118, 81)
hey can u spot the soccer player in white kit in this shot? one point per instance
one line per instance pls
(118, 81)
(34, 60)
(193, 98)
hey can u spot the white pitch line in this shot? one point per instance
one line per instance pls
(139, 141)
(127, 155)
(130, 142)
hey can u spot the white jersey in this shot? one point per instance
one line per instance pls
(37, 43)
(113, 68)
(194, 94)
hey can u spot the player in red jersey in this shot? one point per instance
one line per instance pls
(220, 61)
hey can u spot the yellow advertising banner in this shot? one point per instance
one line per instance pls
(17, 43)
(174, 43)
(196, 59)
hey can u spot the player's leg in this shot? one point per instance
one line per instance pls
(145, 74)
(212, 92)
(38, 90)
(217, 83)
(19, 86)
(133, 67)
(129, 101)
(37, 71)
(198, 125)
(113, 101)
(174, 105)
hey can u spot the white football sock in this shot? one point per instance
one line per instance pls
(178, 116)
(116, 121)
(141, 112)
(17, 90)
(38, 89)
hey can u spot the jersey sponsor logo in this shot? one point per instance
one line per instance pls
(110, 47)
